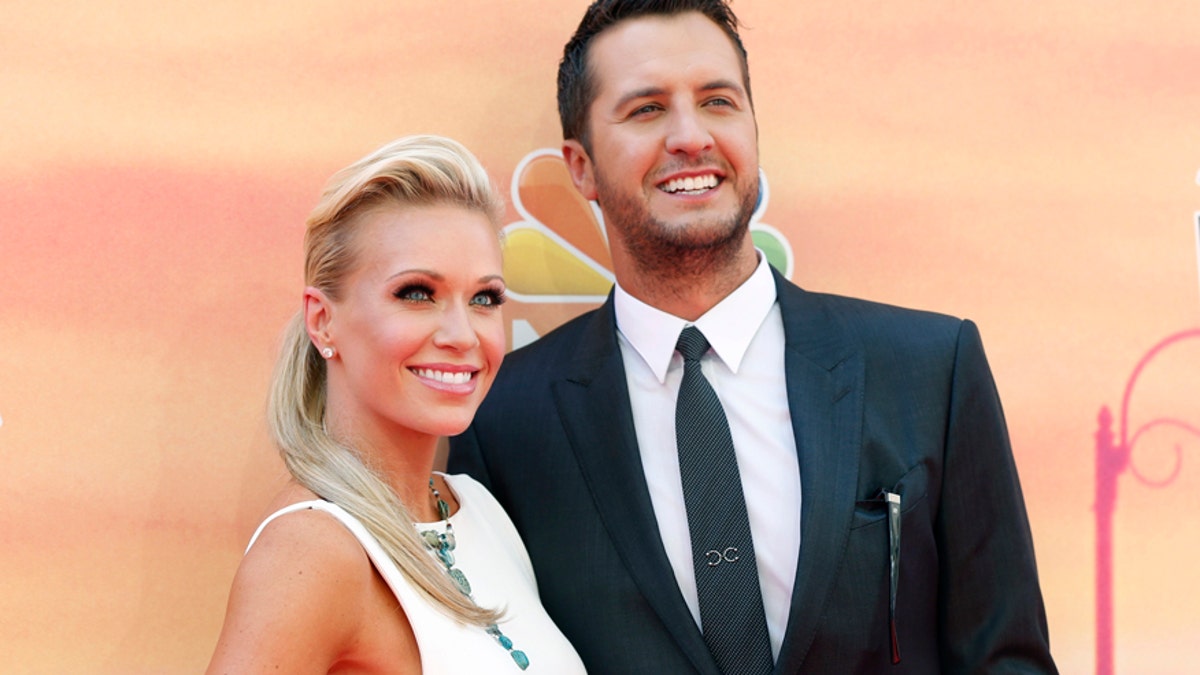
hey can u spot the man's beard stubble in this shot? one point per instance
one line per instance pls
(676, 252)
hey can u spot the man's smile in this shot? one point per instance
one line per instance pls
(692, 185)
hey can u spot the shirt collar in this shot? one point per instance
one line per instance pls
(730, 325)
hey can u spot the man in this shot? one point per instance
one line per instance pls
(886, 527)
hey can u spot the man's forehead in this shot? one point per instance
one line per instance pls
(652, 46)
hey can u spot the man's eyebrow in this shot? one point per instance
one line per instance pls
(724, 84)
(646, 92)
(651, 92)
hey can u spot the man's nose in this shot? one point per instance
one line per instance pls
(687, 132)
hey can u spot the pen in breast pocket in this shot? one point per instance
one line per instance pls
(893, 506)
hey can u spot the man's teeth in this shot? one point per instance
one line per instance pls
(442, 376)
(691, 184)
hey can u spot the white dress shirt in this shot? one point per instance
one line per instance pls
(746, 368)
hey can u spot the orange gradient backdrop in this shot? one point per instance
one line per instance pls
(1031, 166)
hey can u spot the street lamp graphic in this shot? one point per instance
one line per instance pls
(1114, 455)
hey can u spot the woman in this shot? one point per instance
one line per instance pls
(397, 343)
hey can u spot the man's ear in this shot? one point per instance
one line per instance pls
(579, 165)
(318, 317)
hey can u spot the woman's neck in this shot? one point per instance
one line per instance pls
(401, 457)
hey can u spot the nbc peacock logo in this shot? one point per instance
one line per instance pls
(556, 259)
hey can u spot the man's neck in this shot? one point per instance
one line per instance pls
(686, 291)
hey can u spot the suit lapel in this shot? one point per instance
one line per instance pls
(593, 404)
(825, 380)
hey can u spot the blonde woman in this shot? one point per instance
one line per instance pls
(369, 561)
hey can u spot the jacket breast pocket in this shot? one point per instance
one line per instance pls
(890, 568)
(911, 488)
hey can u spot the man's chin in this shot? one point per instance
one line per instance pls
(705, 232)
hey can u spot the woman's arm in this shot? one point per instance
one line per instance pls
(298, 601)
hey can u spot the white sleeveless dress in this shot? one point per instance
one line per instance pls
(490, 553)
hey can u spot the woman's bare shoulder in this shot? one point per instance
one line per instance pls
(297, 596)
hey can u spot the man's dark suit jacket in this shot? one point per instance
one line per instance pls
(880, 398)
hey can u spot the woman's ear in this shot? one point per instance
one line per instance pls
(318, 319)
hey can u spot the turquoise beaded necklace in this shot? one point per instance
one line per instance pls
(442, 544)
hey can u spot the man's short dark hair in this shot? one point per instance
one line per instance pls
(577, 85)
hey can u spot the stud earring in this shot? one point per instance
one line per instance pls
(327, 352)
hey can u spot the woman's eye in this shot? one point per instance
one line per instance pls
(415, 294)
(488, 299)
